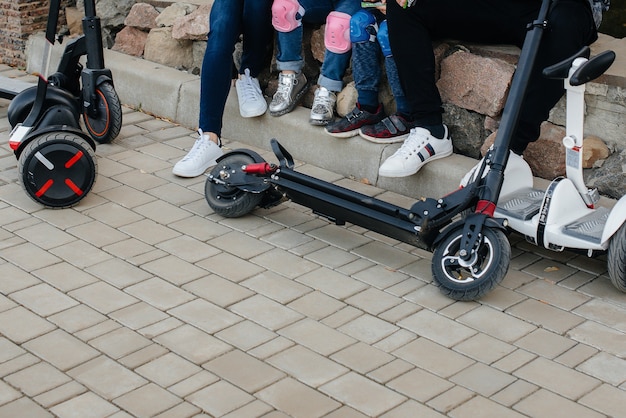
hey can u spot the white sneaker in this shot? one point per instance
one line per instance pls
(418, 149)
(251, 100)
(200, 157)
(323, 107)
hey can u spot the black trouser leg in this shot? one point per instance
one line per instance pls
(411, 32)
(571, 27)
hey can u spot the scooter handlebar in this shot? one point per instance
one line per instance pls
(593, 68)
(560, 70)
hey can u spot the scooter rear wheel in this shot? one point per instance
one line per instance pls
(471, 280)
(616, 259)
(106, 126)
(225, 200)
(57, 169)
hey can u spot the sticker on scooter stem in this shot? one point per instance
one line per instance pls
(571, 157)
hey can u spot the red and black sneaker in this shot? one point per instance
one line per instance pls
(394, 128)
(350, 124)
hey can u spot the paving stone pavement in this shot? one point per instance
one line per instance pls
(140, 301)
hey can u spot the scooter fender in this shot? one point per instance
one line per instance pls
(244, 181)
(252, 154)
(91, 79)
(497, 223)
(22, 103)
(104, 78)
(94, 78)
(616, 219)
(36, 133)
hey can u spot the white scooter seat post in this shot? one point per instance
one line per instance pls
(574, 131)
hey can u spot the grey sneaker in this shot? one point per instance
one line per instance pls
(291, 88)
(323, 107)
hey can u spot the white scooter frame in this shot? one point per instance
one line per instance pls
(566, 215)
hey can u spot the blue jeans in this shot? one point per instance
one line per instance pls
(228, 20)
(367, 74)
(290, 43)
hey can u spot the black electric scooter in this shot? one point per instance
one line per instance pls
(471, 252)
(57, 163)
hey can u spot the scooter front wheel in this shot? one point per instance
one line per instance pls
(616, 259)
(106, 125)
(471, 279)
(229, 201)
(57, 169)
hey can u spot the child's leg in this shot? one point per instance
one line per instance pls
(365, 58)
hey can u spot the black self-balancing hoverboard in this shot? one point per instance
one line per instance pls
(465, 229)
(56, 158)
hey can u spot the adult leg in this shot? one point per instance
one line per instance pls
(412, 30)
(571, 26)
(391, 69)
(257, 42)
(215, 78)
(258, 35)
(225, 26)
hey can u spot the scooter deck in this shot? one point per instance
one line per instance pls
(589, 227)
(522, 205)
(526, 204)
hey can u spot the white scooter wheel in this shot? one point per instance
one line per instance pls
(616, 259)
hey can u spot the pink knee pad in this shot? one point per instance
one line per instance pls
(337, 33)
(286, 15)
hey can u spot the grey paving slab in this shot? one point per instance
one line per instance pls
(140, 301)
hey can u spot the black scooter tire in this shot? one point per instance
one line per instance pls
(227, 201)
(616, 259)
(487, 269)
(106, 126)
(57, 169)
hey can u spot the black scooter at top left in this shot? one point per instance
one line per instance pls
(56, 158)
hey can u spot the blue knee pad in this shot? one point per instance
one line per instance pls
(383, 39)
(363, 27)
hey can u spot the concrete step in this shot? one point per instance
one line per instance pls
(175, 95)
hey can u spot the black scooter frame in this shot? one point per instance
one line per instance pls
(63, 87)
(56, 160)
(471, 253)
(421, 224)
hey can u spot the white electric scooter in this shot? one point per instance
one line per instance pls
(566, 215)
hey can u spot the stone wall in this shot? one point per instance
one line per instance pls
(111, 13)
(18, 20)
